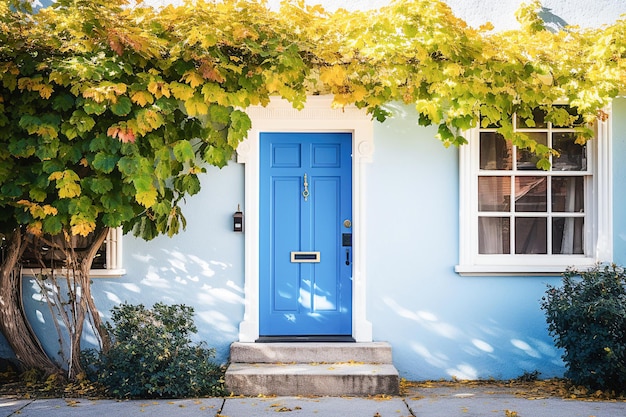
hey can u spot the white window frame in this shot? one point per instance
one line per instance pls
(598, 234)
(113, 259)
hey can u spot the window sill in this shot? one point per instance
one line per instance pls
(516, 270)
(94, 273)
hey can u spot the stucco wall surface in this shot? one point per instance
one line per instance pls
(439, 323)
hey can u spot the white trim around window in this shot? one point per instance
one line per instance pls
(597, 235)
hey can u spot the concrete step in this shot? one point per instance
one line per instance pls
(327, 379)
(312, 368)
(373, 352)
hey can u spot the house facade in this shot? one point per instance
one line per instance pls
(367, 231)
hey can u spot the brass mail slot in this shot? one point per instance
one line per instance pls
(305, 256)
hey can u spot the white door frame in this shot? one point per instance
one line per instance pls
(317, 116)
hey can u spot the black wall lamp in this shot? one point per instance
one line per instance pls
(238, 220)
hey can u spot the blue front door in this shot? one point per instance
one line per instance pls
(305, 230)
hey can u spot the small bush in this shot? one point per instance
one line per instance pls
(587, 317)
(152, 355)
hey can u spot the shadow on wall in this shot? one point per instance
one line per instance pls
(469, 351)
(170, 276)
(553, 22)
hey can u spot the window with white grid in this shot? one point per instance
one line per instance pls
(517, 218)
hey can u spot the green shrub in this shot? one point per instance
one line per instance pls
(152, 355)
(587, 317)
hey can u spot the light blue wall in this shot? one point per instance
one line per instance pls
(619, 181)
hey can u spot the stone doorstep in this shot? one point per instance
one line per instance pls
(325, 379)
(370, 352)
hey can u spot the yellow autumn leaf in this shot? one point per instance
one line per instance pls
(147, 198)
(45, 91)
(358, 92)
(430, 108)
(69, 189)
(181, 91)
(192, 78)
(36, 211)
(334, 75)
(66, 183)
(81, 226)
(196, 106)
(55, 176)
(49, 210)
(142, 98)
(273, 84)
(148, 120)
(159, 89)
(35, 228)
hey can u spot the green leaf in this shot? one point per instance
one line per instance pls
(82, 121)
(37, 194)
(219, 114)
(216, 156)
(103, 142)
(183, 151)
(464, 122)
(445, 135)
(11, 190)
(122, 107)
(52, 166)
(188, 183)
(69, 130)
(127, 166)
(101, 185)
(240, 124)
(93, 107)
(111, 201)
(81, 205)
(63, 102)
(105, 162)
(52, 225)
(543, 163)
(47, 151)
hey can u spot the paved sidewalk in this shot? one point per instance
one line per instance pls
(419, 402)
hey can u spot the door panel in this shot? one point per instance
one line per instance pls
(312, 297)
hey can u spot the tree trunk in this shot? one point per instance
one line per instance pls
(85, 305)
(13, 324)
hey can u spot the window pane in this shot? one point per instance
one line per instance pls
(531, 194)
(573, 156)
(568, 194)
(527, 160)
(567, 235)
(495, 152)
(494, 235)
(531, 235)
(494, 193)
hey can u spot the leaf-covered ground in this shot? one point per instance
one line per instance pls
(32, 385)
(532, 389)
